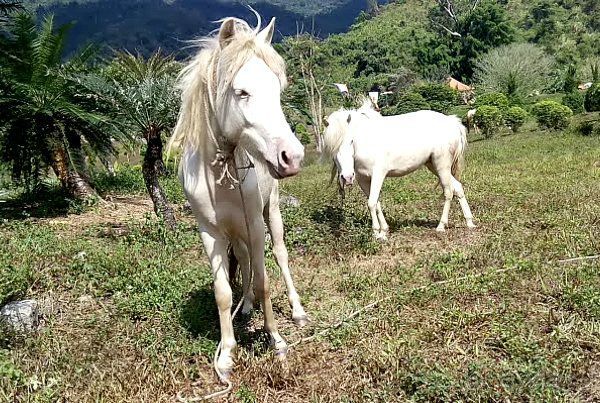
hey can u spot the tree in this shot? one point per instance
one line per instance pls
(517, 70)
(467, 29)
(9, 6)
(45, 113)
(304, 59)
(139, 94)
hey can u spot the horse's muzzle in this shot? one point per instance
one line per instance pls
(289, 158)
(347, 180)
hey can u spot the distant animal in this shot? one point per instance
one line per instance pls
(235, 143)
(369, 147)
(585, 86)
(471, 121)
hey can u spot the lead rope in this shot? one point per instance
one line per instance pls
(222, 160)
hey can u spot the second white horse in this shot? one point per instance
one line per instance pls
(369, 147)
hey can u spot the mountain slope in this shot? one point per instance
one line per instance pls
(146, 25)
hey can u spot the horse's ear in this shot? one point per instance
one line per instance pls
(267, 34)
(227, 32)
(349, 118)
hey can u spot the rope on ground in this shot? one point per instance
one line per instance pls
(373, 304)
(577, 259)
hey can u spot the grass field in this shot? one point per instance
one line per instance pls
(129, 313)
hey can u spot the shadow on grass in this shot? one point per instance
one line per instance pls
(200, 316)
(417, 222)
(339, 219)
(46, 203)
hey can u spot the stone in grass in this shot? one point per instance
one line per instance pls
(21, 316)
(289, 201)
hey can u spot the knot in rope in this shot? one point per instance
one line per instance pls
(222, 161)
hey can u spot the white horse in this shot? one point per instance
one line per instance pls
(233, 133)
(370, 147)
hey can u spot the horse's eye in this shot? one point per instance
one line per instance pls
(242, 94)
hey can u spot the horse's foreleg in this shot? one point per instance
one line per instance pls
(281, 256)
(464, 205)
(261, 286)
(216, 250)
(373, 203)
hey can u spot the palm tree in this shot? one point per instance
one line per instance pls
(45, 113)
(9, 6)
(140, 95)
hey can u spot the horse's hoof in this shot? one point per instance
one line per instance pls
(225, 374)
(281, 354)
(440, 229)
(300, 321)
(470, 225)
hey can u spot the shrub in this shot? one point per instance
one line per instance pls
(575, 101)
(439, 96)
(592, 98)
(552, 115)
(517, 70)
(302, 133)
(405, 103)
(515, 117)
(588, 128)
(497, 99)
(489, 119)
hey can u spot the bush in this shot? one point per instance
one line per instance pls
(592, 98)
(489, 119)
(588, 128)
(517, 70)
(515, 117)
(439, 96)
(575, 101)
(497, 99)
(552, 115)
(405, 103)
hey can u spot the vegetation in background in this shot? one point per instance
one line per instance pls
(517, 70)
(46, 117)
(552, 115)
(139, 94)
(515, 117)
(592, 98)
(489, 119)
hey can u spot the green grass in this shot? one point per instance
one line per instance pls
(130, 315)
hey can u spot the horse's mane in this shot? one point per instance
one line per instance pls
(336, 130)
(204, 81)
(338, 125)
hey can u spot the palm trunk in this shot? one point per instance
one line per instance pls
(78, 156)
(152, 168)
(70, 179)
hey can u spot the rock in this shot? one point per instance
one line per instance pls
(21, 316)
(289, 201)
(187, 208)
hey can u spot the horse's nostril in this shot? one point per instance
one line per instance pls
(284, 158)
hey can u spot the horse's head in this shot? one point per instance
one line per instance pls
(338, 143)
(250, 77)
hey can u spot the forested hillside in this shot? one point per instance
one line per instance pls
(301, 7)
(146, 25)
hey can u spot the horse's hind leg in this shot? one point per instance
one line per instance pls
(464, 205)
(275, 223)
(241, 252)
(445, 178)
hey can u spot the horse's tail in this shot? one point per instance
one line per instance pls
(458, 160)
